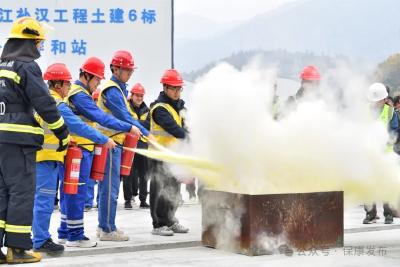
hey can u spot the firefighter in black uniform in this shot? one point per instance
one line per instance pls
(22, 91)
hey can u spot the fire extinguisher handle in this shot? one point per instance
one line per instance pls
(93, 144)
(88, 144)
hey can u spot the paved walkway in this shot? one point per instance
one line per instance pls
(136, 223)
(146, 249)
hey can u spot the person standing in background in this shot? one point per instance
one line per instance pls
(137, 179)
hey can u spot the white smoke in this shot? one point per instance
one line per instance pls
(274, 244)
(322, 145)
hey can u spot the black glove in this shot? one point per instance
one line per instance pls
(63, 136)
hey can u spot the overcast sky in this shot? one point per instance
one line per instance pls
(226, 10)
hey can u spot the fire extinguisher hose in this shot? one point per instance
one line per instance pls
(155, 144)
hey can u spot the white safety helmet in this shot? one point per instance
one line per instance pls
(377, 92)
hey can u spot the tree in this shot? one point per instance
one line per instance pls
(388, 72)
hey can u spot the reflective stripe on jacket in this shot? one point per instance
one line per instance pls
(75, 88)
(162, 136)
(51, 142)
(140, 117)
(23, 90)
(119, 138)
(385, 116)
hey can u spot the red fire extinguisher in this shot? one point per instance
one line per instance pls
(72, 168)
(131, 141)
(99, 162)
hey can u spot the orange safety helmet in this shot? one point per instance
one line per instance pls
(96, 94)
(123, 59)
(57, 72)
(94, 66)
(172, 77)
(310, 73)
(138, 89)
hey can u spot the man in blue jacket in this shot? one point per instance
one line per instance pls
(90, 192)
(82, 104)
(50, 162)
(113, 101)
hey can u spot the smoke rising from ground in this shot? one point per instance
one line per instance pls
(330, 141)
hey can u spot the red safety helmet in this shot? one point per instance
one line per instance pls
(94, 66)
(57, 72)
(96, 94)
(172, 77)
(123, 59)
(310, 73)
(138, 89)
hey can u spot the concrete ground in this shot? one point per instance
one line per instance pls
(376, 244)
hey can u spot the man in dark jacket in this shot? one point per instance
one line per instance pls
(137, 179)
(22, 89)
(310, 78)
(166, 125)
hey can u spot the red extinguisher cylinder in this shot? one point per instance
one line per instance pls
(72, 169)
(127, 156)
(99, 162)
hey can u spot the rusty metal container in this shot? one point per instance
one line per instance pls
(266, 224)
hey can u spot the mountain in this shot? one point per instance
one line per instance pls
(362, 29)
(287, 64)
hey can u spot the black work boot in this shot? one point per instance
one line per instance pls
(50, 247)
(17, 255)
(144, 205)
(389, 219)
(388, 213)
(128, 205)
(2, 257)
(370, 218)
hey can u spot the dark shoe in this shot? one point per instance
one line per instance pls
(3, 258)
(50, 247)
(87, 209)
(15, 255)
(389, 219)
(128, 205)
(144, 205)
(369, 218)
